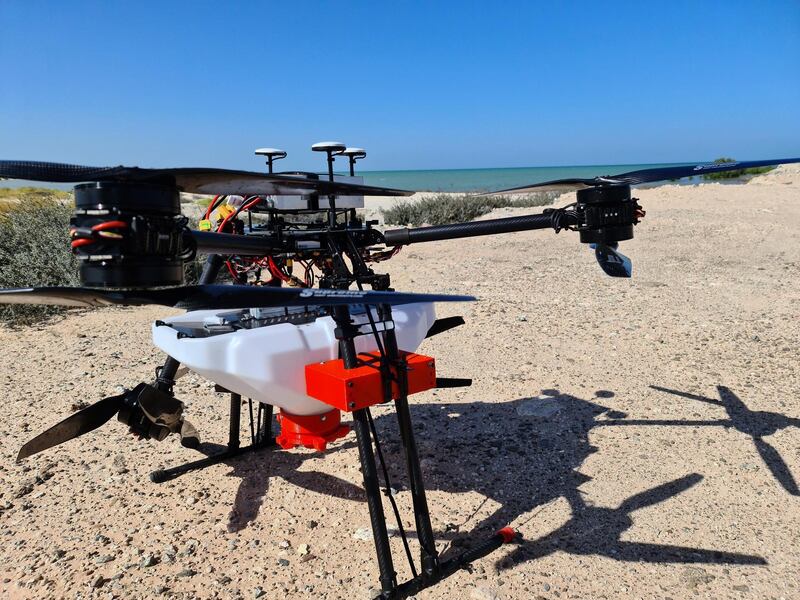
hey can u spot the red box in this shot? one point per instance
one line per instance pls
(353, 389)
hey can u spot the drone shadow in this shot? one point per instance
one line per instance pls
(506, 454)
(752, 423)
(522, 462)
(255, 471)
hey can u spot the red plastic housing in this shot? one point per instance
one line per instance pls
(312, 431)
(353, 389)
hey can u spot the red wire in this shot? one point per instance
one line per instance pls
(81, 242)
(211, 204)
(110, 225)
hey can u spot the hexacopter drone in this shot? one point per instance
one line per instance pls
(313, 352)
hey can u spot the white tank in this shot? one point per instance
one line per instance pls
(267, 363)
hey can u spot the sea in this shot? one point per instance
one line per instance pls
(482, 180)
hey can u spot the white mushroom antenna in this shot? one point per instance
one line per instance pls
(332, 147)
(355, 153)
(271, 154)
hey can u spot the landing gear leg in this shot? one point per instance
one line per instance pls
(261, 434)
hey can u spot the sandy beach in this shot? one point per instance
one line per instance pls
(642, 435)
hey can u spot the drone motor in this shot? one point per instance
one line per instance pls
(606, 214)
(128, 235)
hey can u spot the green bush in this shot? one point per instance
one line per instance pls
(34, 251)
(441, 209)
(734, 174)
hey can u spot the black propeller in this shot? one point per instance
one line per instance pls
(643, 176)
(83, 421)
(148, 411)
(192, 180)
(613, 263)
(199, 297)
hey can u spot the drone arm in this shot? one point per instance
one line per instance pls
(228, 243)
(401, 237)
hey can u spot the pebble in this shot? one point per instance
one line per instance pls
(302, 549)
(148, 560)
(118, 465)
(283, 562)
(362, 533)
(98, 582)
(258, 592)
(24, 488)
(484, 593)
(694, 576)
(187, 573)
(104, 559)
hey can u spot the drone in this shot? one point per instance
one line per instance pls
(304, 323)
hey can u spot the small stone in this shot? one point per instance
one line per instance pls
(190, 500)
(694, 576)
(187, 573)
(104, 558)
(148, 560)
(224, 580)
(98, 581)
(258, 592)
(58, 553)
(302, 549)
(190, 548)
(522, 318)
(312, 524)
(362, 533)
(284, 544)
(543, 407)
(160, 589)
(118, 465)
(24, 488)
(283, 562)
(742, 588)
(484, 593)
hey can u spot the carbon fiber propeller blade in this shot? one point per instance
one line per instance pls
(197, 297)
(192, 180)
(81, 422)
(613, 263)
(644, 176)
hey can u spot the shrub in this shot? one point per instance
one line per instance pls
(736, 173)
(441, 209)
(34, 251)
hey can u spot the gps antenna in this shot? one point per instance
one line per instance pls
(271, 154)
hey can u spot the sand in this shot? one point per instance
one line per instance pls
(642, 435)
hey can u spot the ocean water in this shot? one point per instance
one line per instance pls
(482, 180)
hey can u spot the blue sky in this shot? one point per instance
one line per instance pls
(419, 85)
